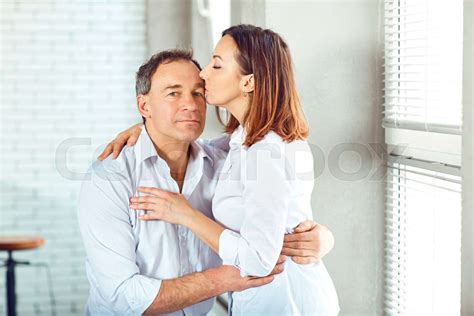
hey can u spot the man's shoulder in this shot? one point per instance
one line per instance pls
(110, 169)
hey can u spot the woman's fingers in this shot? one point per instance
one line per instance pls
(137, 130)
(118, 145)
(106, 152)
(154, 191)
(144, 206)
(128, 137)
(144, 199)
(155, 210)
(151, 216)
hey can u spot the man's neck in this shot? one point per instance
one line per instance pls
(175, 153)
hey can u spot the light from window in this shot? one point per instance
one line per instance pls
(423, 65)
(423, 242)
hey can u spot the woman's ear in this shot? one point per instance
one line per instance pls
(142, 101)
(247, 83)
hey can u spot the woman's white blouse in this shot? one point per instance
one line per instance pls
(264, 191)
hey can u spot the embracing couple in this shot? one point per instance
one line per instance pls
(170, 221)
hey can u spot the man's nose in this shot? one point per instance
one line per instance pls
(189, 103)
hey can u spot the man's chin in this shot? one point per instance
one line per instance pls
(190, 135)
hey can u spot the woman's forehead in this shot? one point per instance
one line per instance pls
(225, 48)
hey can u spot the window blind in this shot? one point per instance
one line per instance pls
(423, 65)
(422, 238)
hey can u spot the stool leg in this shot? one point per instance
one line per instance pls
(11, 299)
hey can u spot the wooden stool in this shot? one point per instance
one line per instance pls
(10, 244)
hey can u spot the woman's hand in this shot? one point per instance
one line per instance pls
(129, 137)
(167, 206)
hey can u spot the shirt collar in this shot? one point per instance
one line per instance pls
(237, 137)
(145, 149)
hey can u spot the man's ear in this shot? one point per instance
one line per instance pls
(247, 83)
(142, 104)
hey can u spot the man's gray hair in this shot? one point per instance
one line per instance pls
(148, 69)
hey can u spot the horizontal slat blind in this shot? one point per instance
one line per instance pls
(423, 65)
(422, 239)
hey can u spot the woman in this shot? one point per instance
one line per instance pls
(260, 195)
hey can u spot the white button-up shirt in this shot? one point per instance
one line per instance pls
(127, 259)
(263, 192)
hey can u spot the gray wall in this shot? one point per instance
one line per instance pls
(338, 71)
(168, 24)
(467, 299)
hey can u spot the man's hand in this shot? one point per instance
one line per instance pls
(232, 281)
(309, 243)
(128, 137)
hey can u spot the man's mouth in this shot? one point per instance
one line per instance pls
(189, 121)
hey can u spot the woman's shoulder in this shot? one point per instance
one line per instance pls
(272, 152)
(292, 153)
(272, 139)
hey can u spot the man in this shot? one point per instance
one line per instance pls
(135, 266)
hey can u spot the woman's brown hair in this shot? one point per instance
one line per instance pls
(274, 104)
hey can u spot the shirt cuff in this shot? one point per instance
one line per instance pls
(228, 247)
(145, 294)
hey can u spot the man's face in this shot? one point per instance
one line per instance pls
(176, 102)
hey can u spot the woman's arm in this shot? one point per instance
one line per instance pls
(267, 191)
(205, 229)
(308, 244)
(174, 208)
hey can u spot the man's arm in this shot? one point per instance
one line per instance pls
(193, 288)
(110, 246)
(109, 242)
(309, 243)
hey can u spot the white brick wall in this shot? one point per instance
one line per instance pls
(66, 70)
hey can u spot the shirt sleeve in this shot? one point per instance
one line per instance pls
(110, 245)
(266, 195)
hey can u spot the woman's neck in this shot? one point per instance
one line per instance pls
(238, 108)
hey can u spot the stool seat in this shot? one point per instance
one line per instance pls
(13, 243)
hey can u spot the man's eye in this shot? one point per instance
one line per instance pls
(216, 67)
(198, 94)
(173, 94)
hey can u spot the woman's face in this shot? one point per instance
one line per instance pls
(222, 75)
